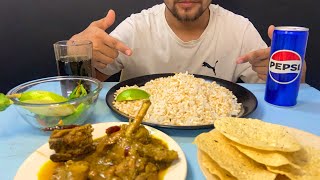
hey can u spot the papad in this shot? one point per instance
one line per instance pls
(269, 158)
(213, 169)
(229, 158)
(309, 160)
(257, 134)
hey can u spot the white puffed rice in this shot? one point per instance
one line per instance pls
(182, 100)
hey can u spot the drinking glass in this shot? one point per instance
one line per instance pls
(74, 58)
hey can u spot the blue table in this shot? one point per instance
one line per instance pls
(18, 139)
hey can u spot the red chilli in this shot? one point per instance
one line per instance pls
(112, 129)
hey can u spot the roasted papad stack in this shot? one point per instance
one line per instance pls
(240, 148)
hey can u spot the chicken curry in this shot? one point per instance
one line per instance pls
(128, 151)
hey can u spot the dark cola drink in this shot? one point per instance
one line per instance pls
(74, 66)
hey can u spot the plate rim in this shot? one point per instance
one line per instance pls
(25, 166)
(219, 81)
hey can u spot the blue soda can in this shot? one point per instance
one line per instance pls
(288, 48)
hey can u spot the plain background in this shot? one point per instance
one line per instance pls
(30, 27)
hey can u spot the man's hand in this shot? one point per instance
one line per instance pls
(259, 59)
(105, 47)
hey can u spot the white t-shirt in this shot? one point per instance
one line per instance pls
(157, 49)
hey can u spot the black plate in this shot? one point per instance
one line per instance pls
(244, 96)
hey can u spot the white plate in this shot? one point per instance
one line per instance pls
(304, 138)
(31, 166)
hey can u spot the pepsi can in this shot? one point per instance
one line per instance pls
(288, 48)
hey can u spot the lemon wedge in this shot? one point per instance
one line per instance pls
(41, 97)
(45, 97)
(132, 94)
(52, 110)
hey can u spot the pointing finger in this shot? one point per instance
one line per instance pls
(107, 51)
(260, 70)
(262, 63)
(254, 56)
(118, 45)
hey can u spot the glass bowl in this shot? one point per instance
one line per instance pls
(48, 115)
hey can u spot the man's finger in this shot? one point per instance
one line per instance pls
(270, 31)
(110, 18)
(105, 22)
(118, 45)
(99, 65)
(99, 57)
(262, 76)
(101, 47)
(262, 63)
(254, 56)
(260, 70)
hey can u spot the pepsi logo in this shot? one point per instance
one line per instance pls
(285, 66)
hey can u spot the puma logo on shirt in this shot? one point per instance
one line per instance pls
(205, 64)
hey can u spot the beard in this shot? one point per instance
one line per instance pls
(186, 17)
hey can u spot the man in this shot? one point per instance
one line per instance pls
(179, 36)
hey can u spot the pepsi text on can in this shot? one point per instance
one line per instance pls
(287, 54)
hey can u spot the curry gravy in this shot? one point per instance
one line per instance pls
(47, 169)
